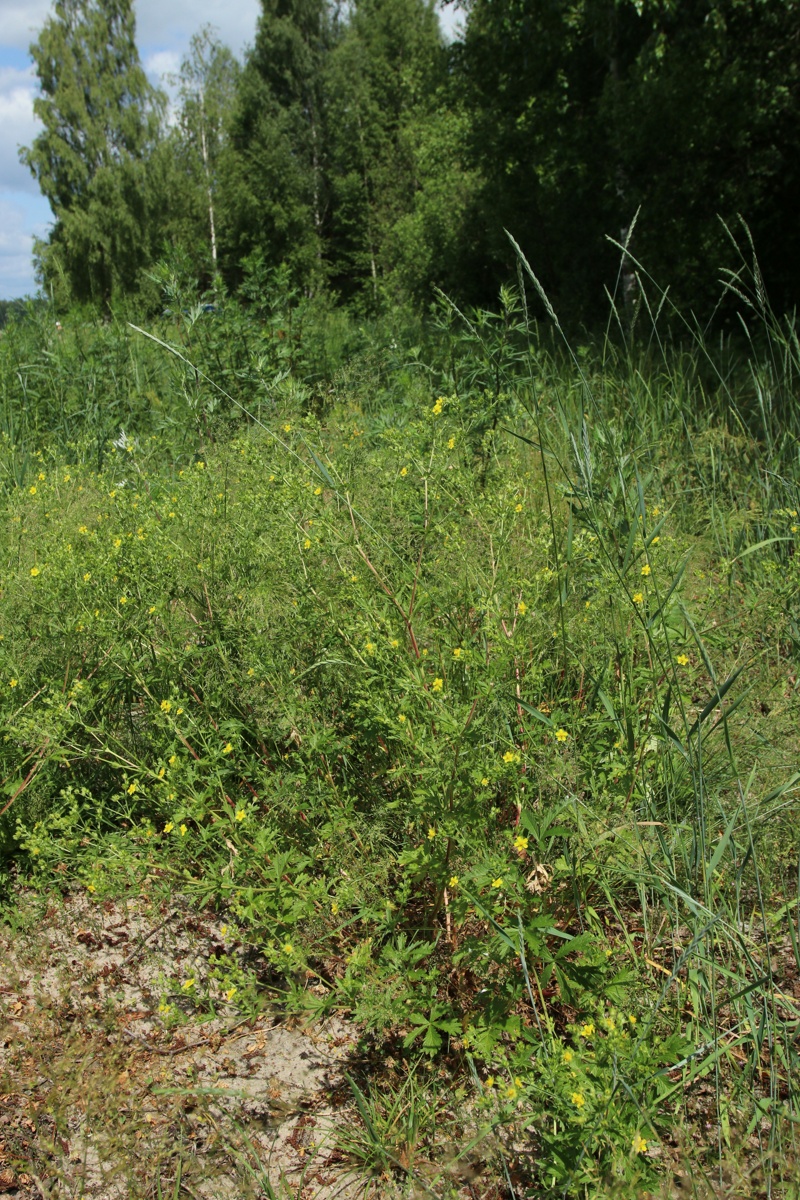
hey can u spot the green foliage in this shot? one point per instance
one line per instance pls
(101, 119)
(581, 114)
(206, 84)
(471, 704)
(363, 155)
(275, 175)
(381, 85)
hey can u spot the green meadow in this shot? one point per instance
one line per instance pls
(455, 667)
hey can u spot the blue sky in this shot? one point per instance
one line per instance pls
(164, 28)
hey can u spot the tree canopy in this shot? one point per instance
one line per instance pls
(360, 153)
(101, 121)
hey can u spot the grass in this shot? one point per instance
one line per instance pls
(469, 697)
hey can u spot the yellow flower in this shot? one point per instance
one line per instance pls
(394, 643)
(567, 1056)
(654, 541)
(251, 671)
(13, 682)
(90, 887)
(231, 992)
(223, 929)
(307, 544)
(484, 782)
(639, 1145)
(522, 608)
(183, 831)
(451, 443)
(520, 844)
(632, 1019)
(404, 471)
(646, 570)
(682, 660)
(402, 718)
(318, 491)
(32, 490)
(240, 814)
(370, 647)
(457, 652)
(577, 1099)
(335, 907)
(587, 1030)
(638, 598)
(131, 789)
(497, 883)
(34, 571)
(165, 706)
(165, 1009)
(453, 881)
(490, 1081)
(187, 984)
(117, 543)
(168, 828)
(518, 508)
(227, 748)
(87, 576)
(437, 408)
(82, 529)
(511, 1092)
(287, 428)
(510, 756)
(67, 478)
(288, 948)
(437, 685)
(655, 511)
(41, 477)
(431, 833)
(173, 758)
(180, 710)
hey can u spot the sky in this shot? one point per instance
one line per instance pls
(164, 28)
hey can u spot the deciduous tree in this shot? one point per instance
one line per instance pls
(101, 119)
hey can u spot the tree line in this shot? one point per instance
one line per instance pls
(361, 154)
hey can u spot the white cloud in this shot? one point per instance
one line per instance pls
(162, 62)
(159, 23)
(452, 21)
(18, 127)
(19, 19)
(22, 218)
(170, 25)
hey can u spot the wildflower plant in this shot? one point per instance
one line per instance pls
(449, 706)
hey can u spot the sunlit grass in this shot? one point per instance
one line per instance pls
(477, 714)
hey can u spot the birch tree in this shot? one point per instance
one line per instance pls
(206, 90)
(101, 119)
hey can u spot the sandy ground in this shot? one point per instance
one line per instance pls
(103, 1095)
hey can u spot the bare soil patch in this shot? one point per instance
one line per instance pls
(102, 1095)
